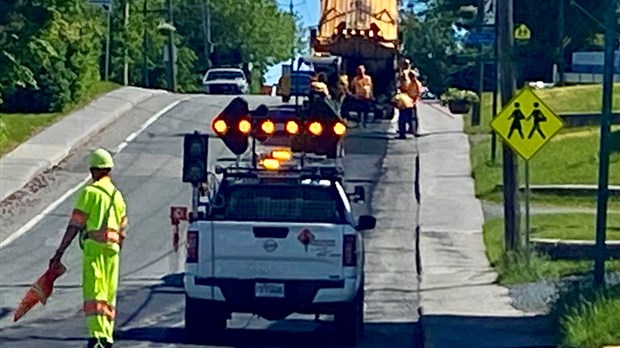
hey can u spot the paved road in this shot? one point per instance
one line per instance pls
(150, 310)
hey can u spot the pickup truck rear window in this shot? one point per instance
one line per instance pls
(280, 203)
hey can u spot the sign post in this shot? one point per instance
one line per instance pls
(527, 124)
(606, 147)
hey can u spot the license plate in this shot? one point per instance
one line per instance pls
(269, 290)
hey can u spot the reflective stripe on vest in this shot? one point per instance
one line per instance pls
(95, 307)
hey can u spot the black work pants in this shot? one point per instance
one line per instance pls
(405, 117)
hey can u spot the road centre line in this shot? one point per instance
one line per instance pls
(30, 224)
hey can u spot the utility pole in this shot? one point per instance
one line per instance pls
(172, 78)
(125, 49)
(603, 173)
(145, 47)
(507, 87)
(561, 34)
(106, 74)
(476, 110)
(495, 84)
(206, 31)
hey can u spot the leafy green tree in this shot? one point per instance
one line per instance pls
(60, 46)
(428, 40)
(242, 31)
(13, 35)
(130, 40)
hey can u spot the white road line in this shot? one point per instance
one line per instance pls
(30, 224)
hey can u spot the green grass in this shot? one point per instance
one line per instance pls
(569, 158)
(17, 128)
(513, 268)
(574, 99)
(572, 226)
(589, 317)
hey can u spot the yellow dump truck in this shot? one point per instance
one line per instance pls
(362, 32)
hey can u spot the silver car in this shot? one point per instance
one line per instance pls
(225, 81)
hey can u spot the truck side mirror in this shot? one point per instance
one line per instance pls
(366, 222)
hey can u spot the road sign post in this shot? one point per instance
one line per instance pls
(603, 172)
(527, 124)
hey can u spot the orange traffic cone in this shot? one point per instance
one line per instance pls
(40, 291)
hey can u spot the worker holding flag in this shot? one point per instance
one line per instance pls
(100, 219)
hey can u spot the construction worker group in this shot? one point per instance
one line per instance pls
(409, 93)
(358, 95)
(100, 219)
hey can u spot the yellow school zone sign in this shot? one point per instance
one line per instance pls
(526, 124)
(522, 32)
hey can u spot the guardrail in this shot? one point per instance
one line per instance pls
(573, 120)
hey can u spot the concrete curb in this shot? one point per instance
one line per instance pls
(573, 249)
(49, 147)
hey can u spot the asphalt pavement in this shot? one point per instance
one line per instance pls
(150, 308)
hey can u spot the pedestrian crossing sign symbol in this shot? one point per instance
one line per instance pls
(526, 124)
(522, 32)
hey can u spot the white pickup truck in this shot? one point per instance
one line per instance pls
(274, 244)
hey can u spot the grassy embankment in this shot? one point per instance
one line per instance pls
(586, 318)
(17, 128)
(571, 157)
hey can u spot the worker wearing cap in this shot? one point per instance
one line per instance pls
(100, 219)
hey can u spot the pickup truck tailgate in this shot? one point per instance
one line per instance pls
(251, 250)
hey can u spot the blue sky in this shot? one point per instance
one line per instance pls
(309, 12)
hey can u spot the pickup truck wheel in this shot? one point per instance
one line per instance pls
(349, 320)
(203, 321)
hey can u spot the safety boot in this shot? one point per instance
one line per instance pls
(98, 343)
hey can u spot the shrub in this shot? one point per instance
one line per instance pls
(455, 94)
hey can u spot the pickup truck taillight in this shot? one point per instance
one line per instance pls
(349, 255)
(192, 247)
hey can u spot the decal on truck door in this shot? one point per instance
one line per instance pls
(306, 237)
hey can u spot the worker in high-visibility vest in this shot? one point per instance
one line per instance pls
(362, 84)
(414, 89)
(362, 92)
(405, 105)
(100, 219)
(319, 85)
(284, 87)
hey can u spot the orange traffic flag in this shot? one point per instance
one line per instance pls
(40, 291)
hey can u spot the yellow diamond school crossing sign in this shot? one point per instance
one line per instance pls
(522, 32)
(526, 124)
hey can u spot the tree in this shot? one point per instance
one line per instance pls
(13, 73)
(428, 39)
(242, 31)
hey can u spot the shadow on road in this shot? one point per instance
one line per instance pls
(505, 332)
(376, 335)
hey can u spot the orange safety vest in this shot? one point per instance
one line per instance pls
(363, 87)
